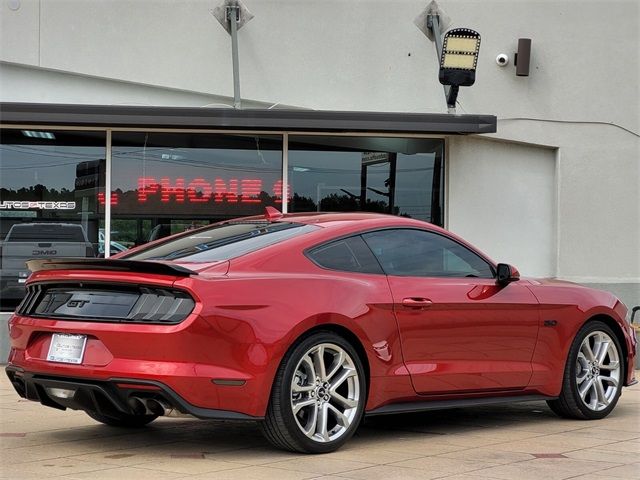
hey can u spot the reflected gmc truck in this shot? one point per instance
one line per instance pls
(26, 241)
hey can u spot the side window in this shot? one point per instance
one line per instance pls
(347, 254)
(420, 253)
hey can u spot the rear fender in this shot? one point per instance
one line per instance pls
(384, 366)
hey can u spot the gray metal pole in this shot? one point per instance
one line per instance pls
(232, 15)
(437, 34)
(107, 195)
(433, 22)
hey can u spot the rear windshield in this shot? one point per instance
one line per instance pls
(222, 242)
(42, 232)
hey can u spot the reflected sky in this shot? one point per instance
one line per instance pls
(53, 166)
(318, 174)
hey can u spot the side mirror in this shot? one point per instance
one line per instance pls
(506, 274)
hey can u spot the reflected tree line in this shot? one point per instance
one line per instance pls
(37, 193)
(194, 203)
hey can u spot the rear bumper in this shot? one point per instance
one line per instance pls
(206, 368)
(109, 397)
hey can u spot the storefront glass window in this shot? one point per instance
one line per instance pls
(401, 176)
(50, 182)
(52, 186)
(165, 183)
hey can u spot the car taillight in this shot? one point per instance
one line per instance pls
(107, 303)
(161, 306)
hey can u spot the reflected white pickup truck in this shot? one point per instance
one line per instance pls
(26, 241)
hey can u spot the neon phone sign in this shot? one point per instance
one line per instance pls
(199, 190)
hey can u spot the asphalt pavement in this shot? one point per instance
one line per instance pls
(514, 442)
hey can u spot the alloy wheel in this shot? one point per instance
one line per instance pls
(325, 392)
(598, 371)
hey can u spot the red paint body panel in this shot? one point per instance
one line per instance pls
(476, 338)
(476, 335)
(572, 305)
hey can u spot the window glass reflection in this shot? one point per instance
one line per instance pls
(166, 183)
(50, 182)
(400, 176)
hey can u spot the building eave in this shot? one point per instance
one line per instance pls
(121, 116)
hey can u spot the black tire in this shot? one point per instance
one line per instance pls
(569, 404)
(123, 421)
(280, 427)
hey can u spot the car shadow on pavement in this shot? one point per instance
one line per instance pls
(206, 437)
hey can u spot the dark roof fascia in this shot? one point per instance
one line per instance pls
(118, 116)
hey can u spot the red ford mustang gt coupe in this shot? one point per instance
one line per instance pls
(308, 322)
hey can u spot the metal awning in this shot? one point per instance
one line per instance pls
(118, 116)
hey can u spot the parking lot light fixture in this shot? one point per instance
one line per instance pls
(458, 61)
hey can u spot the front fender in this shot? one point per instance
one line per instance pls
(571, 306)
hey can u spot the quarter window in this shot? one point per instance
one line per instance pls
(347, 254)
(418, 253)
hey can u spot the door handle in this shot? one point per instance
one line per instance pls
(416, 302)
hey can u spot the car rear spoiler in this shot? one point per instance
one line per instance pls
(137, 266)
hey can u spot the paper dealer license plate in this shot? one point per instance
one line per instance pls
(67, 348)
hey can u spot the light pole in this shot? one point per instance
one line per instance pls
(233, 15)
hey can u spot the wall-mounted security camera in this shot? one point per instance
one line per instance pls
(502, 60)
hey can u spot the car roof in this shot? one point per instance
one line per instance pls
(339, 220)
(347, 220)
(325, 219)
(319, 218)
(330, 225)
(334, 225)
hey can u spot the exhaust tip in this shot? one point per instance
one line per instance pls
(63, 393)
(153, 406)
(137, 405)
(157, 408)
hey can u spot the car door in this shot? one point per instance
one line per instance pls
(460, 331)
